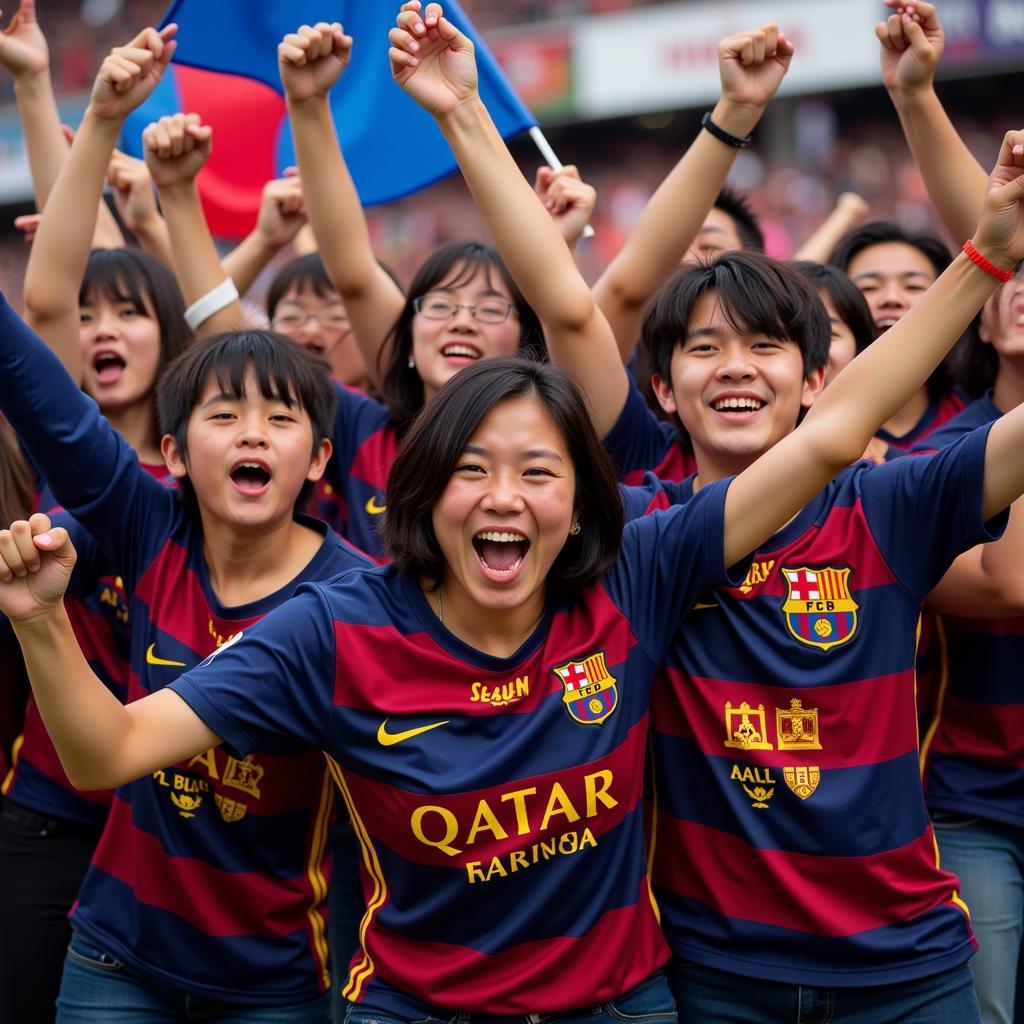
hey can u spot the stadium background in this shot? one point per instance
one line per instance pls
(619, 86)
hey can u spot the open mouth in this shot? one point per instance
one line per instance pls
(460, 350)
(500, 552)
(250, 477)
(738, 405)
(108, 366)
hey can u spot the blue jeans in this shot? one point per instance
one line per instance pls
(97, 989)
(708, 996)
(649, 1003)
(989, 859)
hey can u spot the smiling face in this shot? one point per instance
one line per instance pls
(842, 344)
(248, 457)
(443, 345)
(892, 277)
(120, 344)
(505, 514)
(737, 392)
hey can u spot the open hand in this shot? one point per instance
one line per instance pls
(432, 60)
(312, 59)
(128, 76)
(35, 566)
(176, 148)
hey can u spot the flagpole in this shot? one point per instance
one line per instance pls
(553, 162)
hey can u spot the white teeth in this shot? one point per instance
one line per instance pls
(500, 537)
(463, 351)
(738, 404)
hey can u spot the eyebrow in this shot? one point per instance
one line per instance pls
(703, 332)
(878, 273)
(449, 289)
(530, 453)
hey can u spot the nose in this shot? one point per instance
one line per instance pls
(735, 364)
(252, 431)
(891, 295)
(504, 495)
(105, 325)
(463, 320)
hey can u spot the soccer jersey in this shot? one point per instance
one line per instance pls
(352, 494)
(639, 443)
(973, 752)
(791, 837)
(211, 875)
(498, 800)
(939, 412)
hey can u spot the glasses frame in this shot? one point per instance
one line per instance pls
(454, 307)
(320, 319)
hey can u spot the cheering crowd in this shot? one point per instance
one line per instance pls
(502, 647)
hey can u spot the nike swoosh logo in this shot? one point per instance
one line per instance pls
(152, 659)
(373, 508)
(698, 607)
(389, 739)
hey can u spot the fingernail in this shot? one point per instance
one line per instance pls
(414, 46)
(19, 573)
(44, 537)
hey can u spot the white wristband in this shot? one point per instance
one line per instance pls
(212, 302)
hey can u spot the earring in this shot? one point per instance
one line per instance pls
(412, 363)
(575, 530)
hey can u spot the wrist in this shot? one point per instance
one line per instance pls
(992, 262)
(28, 83)
(41, 624)
(737, 119)
(910, 95)
(100, 122)
(470, 114)
(308, 107)
(177, 191)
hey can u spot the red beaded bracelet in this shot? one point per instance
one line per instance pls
(987, 265)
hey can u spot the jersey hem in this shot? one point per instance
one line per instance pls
(988, 812)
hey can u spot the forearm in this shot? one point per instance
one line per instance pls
(819, 246)
(87, 723)
(372, 300)
(196, 263)
(107, 234)
(155, 239)
(44, 138)
(955, 181)
(246, 261)
(669, 223)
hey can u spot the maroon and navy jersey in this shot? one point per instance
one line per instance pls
(792, 841)
(498, 800)
(351, 495)
(973, 752)
(211, 875)
(640, 443)
(939, 412)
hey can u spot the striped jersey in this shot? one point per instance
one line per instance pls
(498, 800)
(210, 876)
(939, 412)
(973, 752)
(791, 837)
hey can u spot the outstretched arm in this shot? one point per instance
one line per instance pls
(848, 213)
(176, 148)
(61, 248)
(133, 196)
(881, 379)
(752, 65)
(311, 61)
(281, 216)
(912, 42)
(121, 742)
(434, 62)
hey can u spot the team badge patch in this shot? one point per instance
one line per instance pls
(590, 692)
(803, 781)
(819, 609)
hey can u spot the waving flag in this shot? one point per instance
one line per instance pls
(225, 69)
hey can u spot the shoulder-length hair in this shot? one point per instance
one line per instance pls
(437, 438)
(849, 303)
(451, 266)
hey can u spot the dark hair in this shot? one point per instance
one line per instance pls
(846, 297)
(435, 442)
(130, 275)
(306, 272)
(283, 369)
(882, 232)
(975, 363)
(17, 493)
(736, 205)
(453, 265)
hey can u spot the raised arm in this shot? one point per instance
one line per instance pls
(130, 179)
(849, 211)
(119, 742)
(881, 379)
(751, 65)
(434, 62)
(311, 61)
(281, 217)
(912, 42)
(61, 248)
(568, 199)
(176, 148)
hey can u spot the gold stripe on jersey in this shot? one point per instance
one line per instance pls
(654, 831)
(317, 881)
(364, 968)
(15, 750)
(940, 639)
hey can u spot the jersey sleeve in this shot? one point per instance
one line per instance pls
(926, 510)
(356, 417)
(653, 494)
(91, 470)
(274, 681)
(639, 440)
(667, 560)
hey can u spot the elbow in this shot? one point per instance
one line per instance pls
(575, 313)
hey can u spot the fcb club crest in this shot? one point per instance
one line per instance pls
(590, 692)
(819, 608)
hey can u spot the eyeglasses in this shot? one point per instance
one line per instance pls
(435, 306)
(328, 321)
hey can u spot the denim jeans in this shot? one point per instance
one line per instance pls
(649, 1003)
(97, 989)
(717, 997)
(989, 859)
